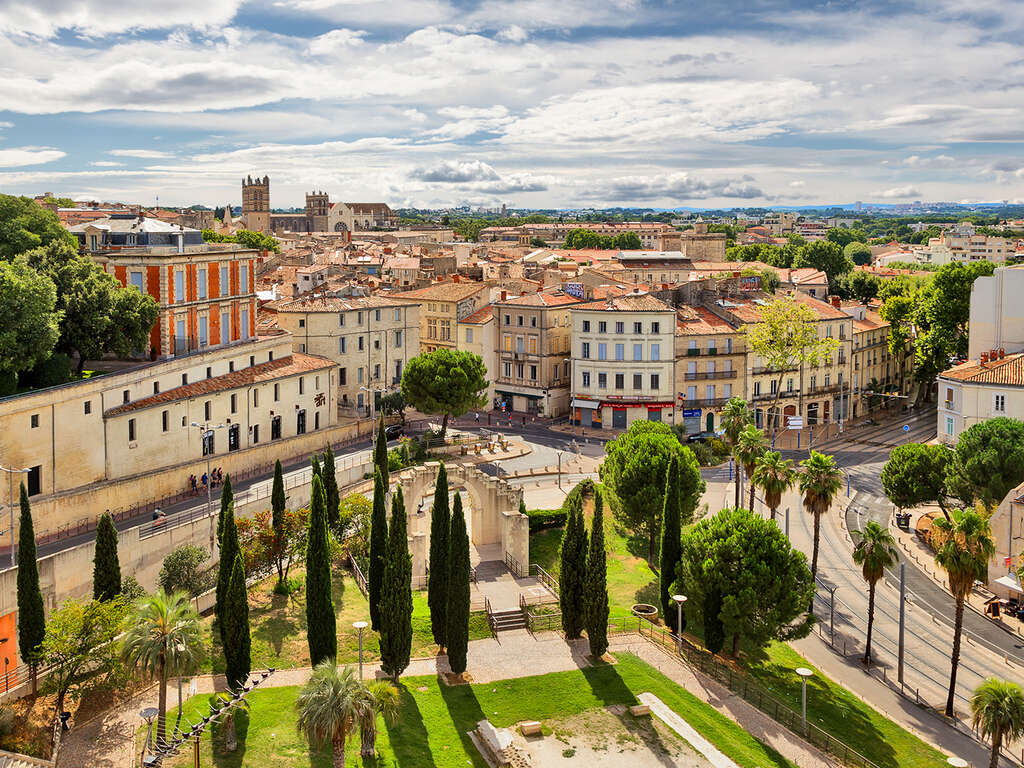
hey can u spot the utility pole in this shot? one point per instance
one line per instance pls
(903, 603)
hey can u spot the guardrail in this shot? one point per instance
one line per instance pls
(514, 567)
(545, 578)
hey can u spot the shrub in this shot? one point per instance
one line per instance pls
(394, 461)
(6, 721)
(131, 590)
(703, 453)
(719, 450)
(541, 519)
(184, 570)
(54, 370)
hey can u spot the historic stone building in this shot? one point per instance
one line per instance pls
(320, 215)
(256, 204)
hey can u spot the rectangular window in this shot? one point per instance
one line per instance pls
(231, 366)
(316, 420)
(586, 326)
(225, 282)
(234, 433)
(398, 339)
(508, 320)
(359, 375)
(620, 381)
(398, 315)
(203, 337)
(709, 391)
(277, 392)
(179, 286)
(35, 481)
(585, 376)
(620, 351)
(585, 350)
(508, 370)
(376, 371)
(638, 381)
(206, 410)
(165, 420)
(655, 352)
(655, 327)
(533, 372)
(300, 422)
(88, 406)
(360, 344)
(376, 315)
(757, 389)
(602, 381)
(949, 425)
(341, 320)
(275, 428)
(244, 321)
(519, 344)
(243, 278)
(519, 370)
(638, 351)
(255, 398)
(34, 420)
(656, 381)
(602, 327)
(469, 335)
(602, 351)
(201, 282)
(342, 376)
(519, 320)
(533, 321)
(508, 342)
(136, 279)
(184, 379)
(620, 327)
(727, 390)
(234, 403)
(131, 430)
(999, 404)
(638, 327)
(533, 345)
(691, 393)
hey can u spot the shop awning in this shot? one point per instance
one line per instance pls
(620, 405)
(592, 404)
(1010, 582)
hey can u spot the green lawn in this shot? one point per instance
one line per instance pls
(434, 718)
(278, 627)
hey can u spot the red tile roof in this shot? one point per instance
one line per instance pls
(698, 321)
(1006, 372)
(293, 365)
(542, 300)
(481, 316)
(631, 302)
(444, 291)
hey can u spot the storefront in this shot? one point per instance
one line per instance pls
(585, 413)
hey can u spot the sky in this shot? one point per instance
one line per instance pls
(530, 103)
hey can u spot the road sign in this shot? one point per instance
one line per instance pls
(795, 422)
(906, 427)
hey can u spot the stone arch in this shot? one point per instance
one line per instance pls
(340, 227)
(497, 528)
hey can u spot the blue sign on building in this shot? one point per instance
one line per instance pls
(691, 413)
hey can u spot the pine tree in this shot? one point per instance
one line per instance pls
(317, 469)
(106, 569)
(378, 548)
(321, 623)
(671, 544)
(380, 449)
(457, 610)
(331, 490)
(227, 498)
(31, 618)
(229, 549)
(237, 643)
(437, 575)
(396, 595)
(714, 630)
(573, 570)
(278, 502)
(596, 588)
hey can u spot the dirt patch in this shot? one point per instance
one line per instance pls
(451, 678)
(610, 738)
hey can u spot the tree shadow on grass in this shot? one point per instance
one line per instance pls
(221, 757)
(275, 630)
(408, 734)
(639, 546)
(465, 712)
(649, 593)
(606, 685)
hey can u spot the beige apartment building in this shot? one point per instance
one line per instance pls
(978, 390)
(371, 339)
(874, 367)
(623, 361)
(476, 334)
(710, 367)
(442, 306)
(535, 335)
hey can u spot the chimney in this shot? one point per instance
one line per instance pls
(1002, 353)
(504, 295)
(993, 354)
(836, 302)
(455, 278)
(984, 357)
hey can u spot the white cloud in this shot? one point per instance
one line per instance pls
(12, 158)
(6, 124)
(456, 171)
(938, 161)
(678, 187)
(335, 41)
(101, 17)
(898, 192)
(797, 184)
(106, 164)
(145, 154)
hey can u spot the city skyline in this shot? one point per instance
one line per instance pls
(437, 103)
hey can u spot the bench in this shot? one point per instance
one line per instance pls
(640, 710)
(530, 728)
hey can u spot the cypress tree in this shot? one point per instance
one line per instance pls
(237, 643)
(227, 498)
(331, 490)
(321, 623)
(714, 630)
(317, 471)
(378, 548)
(278, 501)
(106, 569)
(380, 449)
(671, 544)
(457, 610)
(396, 595)
(596, 589)
(31, 618)
(573, 570)
(437, 575)
(229, 549)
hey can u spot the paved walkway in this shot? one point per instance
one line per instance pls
(687, 731)
(108, 741)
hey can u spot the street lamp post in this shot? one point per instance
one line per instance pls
(679, 600)
(804, 673)
(207, 430)
(10, 499)
(360, 625)
(559, 469)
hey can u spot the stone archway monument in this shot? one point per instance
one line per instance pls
(496, 526)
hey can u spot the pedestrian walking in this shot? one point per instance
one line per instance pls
(205, 480)
(477, 415)
(192, 484)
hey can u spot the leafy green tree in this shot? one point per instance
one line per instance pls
(785, 338)
(628, 241)
(844, 238)
(714, 630)
(964, 546)
(750, 446)
(320, 619)
(634, 468)
(163, 636)
(988, 462)
(824, 255)
(764, 583)
(437, 575)
(332, 705)
(31, 617)
(735, 416)
(857, 252)
(774, 476)
(445, 381)
(331, 489)
(257, 240)
(572, 571)
(24, 225)
(377, 698)
(237, 643)
(227, 498)
(859, 285)
(915, 474)
(456, 612)
(31, 327)
(278, 503)
(392, 404)
(997, 714)
(898, 311)
(671, 531)
(874, 550)
(184, 570)
(820, 482)
(228, 550)
(106, 569)
(378, 548)
(595, 590)
(396, 595)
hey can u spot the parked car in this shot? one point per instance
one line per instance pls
(394, 431)
(700, 437)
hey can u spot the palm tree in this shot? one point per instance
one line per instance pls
(749, 446)
(874, 551)
(331, 706)
(735, 416)
(774, 475)
(163, 636)
(997, 713)
(963, 548)
(379, 698)
(819, 483)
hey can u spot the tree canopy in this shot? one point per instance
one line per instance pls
(988, 462)
(244, 237)
(445, 381)
(825, 255)
(915, 474)
(31, 326)
(24, 225)
(857, 252)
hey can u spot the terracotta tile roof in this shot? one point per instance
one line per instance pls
(292, 365)
(630, 302)
(481, 316)
(337, 304)
(748, 310)
(444, 291)
(542, 300)
(1006, 372)
(698, 321)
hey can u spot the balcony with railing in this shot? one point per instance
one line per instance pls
(786, 393)
(756, 371)
(698, 375)
(704, 402)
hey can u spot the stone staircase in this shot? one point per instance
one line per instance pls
(506, 620)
